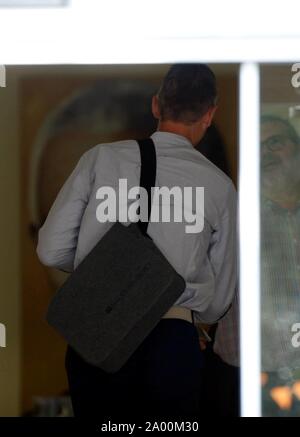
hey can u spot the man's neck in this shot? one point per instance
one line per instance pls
(187, 131)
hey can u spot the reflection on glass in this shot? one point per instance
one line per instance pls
(280, 245)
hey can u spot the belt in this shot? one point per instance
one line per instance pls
(177, 312)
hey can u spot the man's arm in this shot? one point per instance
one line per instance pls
(58, 236)
(223, 258)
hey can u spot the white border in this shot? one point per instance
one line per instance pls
(249, 231)
(82, 50)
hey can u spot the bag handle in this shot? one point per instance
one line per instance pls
(148, 175)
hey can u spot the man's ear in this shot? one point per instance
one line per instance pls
(208, 117)
(155, 107)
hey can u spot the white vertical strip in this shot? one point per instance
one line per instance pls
(249, 225)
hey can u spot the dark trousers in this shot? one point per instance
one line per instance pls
(162, 378)
(221, 388)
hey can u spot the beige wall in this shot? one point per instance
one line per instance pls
(9, 248)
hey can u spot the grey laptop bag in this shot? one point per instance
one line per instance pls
(120, 291)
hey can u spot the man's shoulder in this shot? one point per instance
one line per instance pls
(215, 177)
(116, 149)
(210, 176)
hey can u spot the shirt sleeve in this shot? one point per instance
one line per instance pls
(57, 239)
(223, 258)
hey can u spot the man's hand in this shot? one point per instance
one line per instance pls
(204, 338)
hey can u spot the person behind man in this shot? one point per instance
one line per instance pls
(280, 258)
(280, 273)
(163, 376)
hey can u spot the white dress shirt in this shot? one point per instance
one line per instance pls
(206, 260)
(227, 338)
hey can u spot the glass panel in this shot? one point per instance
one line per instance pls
(280, 239)
(61, 111)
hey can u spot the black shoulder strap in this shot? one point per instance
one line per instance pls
(148, 174)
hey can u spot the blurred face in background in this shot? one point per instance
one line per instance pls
(280, 159)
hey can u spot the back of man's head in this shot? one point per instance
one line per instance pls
(187, 92)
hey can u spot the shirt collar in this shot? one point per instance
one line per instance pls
(171, 139)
